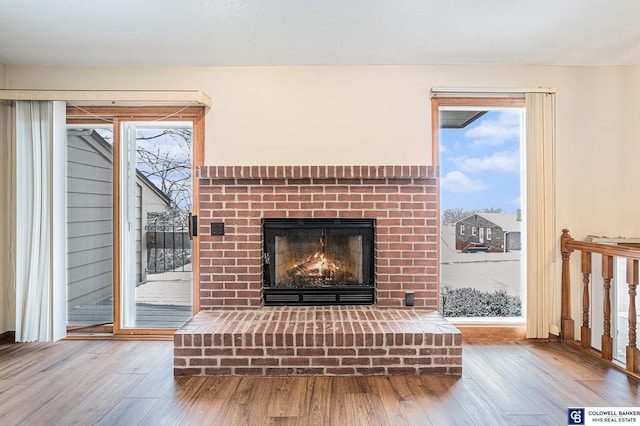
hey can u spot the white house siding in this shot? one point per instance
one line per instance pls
(89, 220)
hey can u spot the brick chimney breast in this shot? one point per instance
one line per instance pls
(402, 200)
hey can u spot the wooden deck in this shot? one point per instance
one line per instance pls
(147, 315)
(131, 382)
(163, 301)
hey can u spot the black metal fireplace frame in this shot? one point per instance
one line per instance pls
(354, 294)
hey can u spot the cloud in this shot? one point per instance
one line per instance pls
(457, 181)
(504, 128)
(503, 161)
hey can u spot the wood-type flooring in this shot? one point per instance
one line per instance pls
(124, 382)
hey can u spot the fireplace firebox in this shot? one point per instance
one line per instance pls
(318, 262)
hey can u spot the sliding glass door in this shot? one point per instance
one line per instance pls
(156, 203)
(130, 204)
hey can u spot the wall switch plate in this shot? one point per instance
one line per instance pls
(408, 299)
(217, 228)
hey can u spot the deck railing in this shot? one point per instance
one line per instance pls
(608, 251)
(168, 248)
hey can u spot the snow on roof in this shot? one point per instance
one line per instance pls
(507, 221)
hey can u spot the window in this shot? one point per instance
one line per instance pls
(486, 186)
(461, 229)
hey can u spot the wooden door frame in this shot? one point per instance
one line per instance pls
(115, 115)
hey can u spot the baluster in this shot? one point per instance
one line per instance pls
(633, 355)
(607, 275)
(173, 248)
(165, 228)
(585, 335)
(566, 322)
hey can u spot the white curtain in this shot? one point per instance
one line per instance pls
(542, 238)
(36, 234)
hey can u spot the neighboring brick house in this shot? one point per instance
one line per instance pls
(493, 232)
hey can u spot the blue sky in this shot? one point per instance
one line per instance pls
(480, 164)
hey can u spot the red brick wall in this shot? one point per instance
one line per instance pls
(402, 199)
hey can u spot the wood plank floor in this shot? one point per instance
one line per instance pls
(131, 382)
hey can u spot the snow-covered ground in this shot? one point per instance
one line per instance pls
(483, 271)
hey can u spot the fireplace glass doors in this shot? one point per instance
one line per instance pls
(318, 261)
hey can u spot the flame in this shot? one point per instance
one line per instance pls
(323, 264)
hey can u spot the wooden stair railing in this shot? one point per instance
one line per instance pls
(632, 254)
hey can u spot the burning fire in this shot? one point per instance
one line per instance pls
(317, 266)
(318, 269)
(322, 264)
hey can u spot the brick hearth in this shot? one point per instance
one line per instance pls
(336, 340)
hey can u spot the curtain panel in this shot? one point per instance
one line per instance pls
(34, 127)
(543, 295)
(39, 272)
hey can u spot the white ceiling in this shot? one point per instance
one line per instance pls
(318, 32)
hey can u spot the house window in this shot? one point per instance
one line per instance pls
(461, 229)
(474, 231)
(488, 233)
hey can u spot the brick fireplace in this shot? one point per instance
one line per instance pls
(236, 334)
(401, 199)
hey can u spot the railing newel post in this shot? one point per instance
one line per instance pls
(566, 322)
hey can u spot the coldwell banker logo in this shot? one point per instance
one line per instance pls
(575, 416)
(597, 415)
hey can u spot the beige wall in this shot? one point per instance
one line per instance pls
(4, 240)
(7, 309)
(381, 115)
(7, 292)
(3, 76)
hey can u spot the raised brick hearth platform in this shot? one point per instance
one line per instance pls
(330, 340)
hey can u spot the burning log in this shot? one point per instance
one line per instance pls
(305, 269)
(318, 270)
(316, 266)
